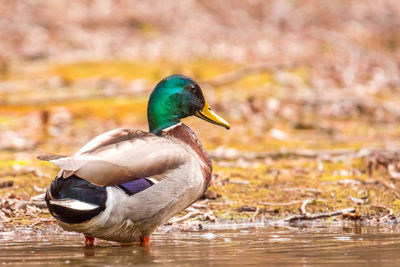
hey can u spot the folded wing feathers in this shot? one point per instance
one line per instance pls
(122, 155)
(112, 137)
(71, 163)
(49, 157)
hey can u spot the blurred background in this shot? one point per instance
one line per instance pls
(271, 67)
(287, 75)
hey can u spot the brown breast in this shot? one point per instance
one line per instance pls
(186, 135)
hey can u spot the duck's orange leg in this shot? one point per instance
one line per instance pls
(89, 241)
(145, 241)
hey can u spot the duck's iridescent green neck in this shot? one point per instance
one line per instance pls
(160, 118)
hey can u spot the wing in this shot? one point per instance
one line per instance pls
(122, 155)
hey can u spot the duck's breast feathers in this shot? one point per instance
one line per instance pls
(186, 135)
(122, 155)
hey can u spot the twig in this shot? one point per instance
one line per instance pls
(351, 182)
(304, 205)
(185, 217)
(390, 211)
(39, 204)
(357, 200)
(40, 221)
(280, 204)
(38, 201)
(199, 206)
(255, 214)
(39, 189)
(38, 197)
(311, 190)
(389, 186)
(210, 216)
(318, 216)
(291, 203)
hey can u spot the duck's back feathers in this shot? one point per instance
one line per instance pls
(122, 155)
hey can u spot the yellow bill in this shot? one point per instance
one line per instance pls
(208, 115)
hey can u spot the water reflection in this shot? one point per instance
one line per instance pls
(268, 245)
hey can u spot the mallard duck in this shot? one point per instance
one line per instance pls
(124, 183)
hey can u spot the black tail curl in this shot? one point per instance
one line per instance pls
(75, 188)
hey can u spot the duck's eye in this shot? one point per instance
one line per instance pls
(191, 88)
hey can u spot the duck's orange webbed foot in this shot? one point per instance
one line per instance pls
(145, 241)
(89, 241)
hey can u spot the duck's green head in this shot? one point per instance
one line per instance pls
(177, 97)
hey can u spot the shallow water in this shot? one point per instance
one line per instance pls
(257, 246)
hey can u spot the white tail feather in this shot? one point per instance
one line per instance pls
(73, 204)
